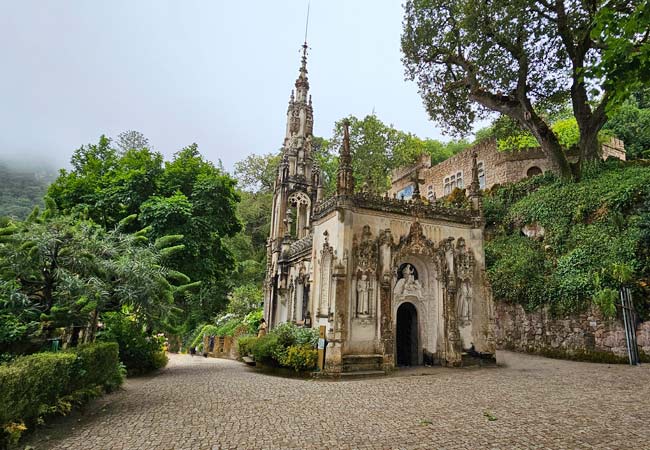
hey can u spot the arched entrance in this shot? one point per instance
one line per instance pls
(407, 335)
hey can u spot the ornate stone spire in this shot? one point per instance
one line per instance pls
(345, 178)
(474, 192)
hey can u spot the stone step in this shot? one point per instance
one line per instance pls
(362, 363)
(363, 374)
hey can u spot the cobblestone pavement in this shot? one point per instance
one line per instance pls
(529, 402)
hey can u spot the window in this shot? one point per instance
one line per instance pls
(452, 182)
(430, 194)
(481, 175)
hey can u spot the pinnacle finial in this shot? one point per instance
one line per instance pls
(346, 137)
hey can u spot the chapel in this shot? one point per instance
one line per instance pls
(395, 282)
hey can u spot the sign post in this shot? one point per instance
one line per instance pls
(321, 347)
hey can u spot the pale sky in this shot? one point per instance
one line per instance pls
(212, 72)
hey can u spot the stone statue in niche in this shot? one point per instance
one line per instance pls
(465, 302)
(363, 295)
(408, 285)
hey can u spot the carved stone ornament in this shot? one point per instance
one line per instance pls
(365, 251)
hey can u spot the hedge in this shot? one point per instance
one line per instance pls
(37, 385)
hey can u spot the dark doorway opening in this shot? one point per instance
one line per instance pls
(533, 171)
(407, 335)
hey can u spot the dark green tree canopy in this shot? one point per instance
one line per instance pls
(518, 58)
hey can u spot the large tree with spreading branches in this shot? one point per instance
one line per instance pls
(521, 58)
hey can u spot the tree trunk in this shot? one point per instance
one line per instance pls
(550, 145)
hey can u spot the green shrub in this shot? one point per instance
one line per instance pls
(34, 386)
(139, 351)
(300, 358)
(98, 365)
(266, 349)
(592, 228)
(307, 336)
(253, 319)
(245, 344)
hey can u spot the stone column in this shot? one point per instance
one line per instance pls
(334, 352)
(386, 318)
(453, 355)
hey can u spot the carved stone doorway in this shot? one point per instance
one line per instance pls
(406, 335)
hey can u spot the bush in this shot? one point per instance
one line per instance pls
(591, 228)
(139, 351)
(300, 358)
(99, 365)
(245, 344)
(37, 385)
(286, 345)
(267, 349)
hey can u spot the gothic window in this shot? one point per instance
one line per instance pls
(299, 210)
(430, 194)
(481, 174)
(452, 182)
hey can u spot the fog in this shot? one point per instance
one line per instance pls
(212, 72)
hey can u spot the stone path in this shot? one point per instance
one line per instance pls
(529, 403)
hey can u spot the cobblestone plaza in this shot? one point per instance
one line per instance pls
(526, 403)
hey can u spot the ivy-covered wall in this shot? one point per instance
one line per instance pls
(558, 251)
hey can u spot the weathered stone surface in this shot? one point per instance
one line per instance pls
(208, 403)
(587, 332)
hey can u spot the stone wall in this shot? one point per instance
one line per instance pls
(224, 347)
(499, 167)
(540, 332)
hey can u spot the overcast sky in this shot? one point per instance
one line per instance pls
(217, 73)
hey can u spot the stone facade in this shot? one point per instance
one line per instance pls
(541, 332)
(394, 282)
(495, 167)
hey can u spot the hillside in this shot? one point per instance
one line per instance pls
(22, 188)
(566, 244)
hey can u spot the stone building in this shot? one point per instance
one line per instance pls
(395, 282)
(494, 167)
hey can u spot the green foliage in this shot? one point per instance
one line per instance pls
(593, 233)
(518, 270)
(244, 344)
(286, 345)
(301, 358)
(471, 58)
(37, 385)
(631, 123)
(620, 27)
(245, 299)
(98, 364)
(378, 148)
(140, 352)
(266, 349)
(187, 196)
(64, 272)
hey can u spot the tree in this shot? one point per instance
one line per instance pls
(621, 31)
(518, 58)
(186, 196)
(58, 271)
(378, 148)
(257, 173)
(631, 124)
(132, 140)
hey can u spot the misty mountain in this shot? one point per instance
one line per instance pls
(22, 186)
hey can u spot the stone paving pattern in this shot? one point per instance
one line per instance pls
(198, 403)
